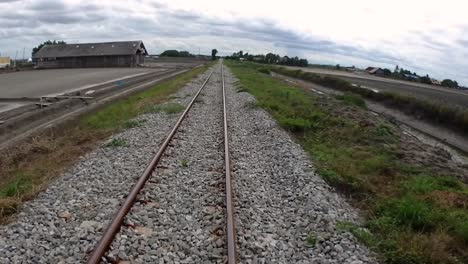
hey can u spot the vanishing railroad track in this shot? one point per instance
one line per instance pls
(118, 219)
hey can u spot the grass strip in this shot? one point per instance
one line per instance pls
(27, 168)
(414, 215)
(448, 116)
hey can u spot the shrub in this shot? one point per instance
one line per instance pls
(411, 212)
(296, 124)
(352, 99)
(264, 70)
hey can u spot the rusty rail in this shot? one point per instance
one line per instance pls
(114, 227)
(231, 234)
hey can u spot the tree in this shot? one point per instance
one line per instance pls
(449, 83)
(48, 42)
(397, 69)
(387, 72)
(213, 54)
(170, 53)
(426, 79)
(184, 54)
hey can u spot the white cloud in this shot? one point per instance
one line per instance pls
(426, 36)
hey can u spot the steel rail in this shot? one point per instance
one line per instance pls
(114, 227)
(231, 238)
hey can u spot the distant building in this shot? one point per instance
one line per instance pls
(258, 58)
(375, 71)
(411, 76)
(87, 55)
(436, 82)
(5, 62)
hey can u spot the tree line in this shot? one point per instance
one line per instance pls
(403, 74)
(48, 42)
(176, 53)
(269, 58)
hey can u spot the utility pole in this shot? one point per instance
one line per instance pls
(16, 56)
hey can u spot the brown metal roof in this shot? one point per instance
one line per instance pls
(91, 49)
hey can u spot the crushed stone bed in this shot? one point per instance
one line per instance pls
(183, 213)
(280, 200)
(88, 194)
(180, 214)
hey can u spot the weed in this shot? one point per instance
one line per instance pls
(264, 70)
(15, 188)
(134, 123)
(360, 233)
(426, 184)
(251, 105)
(169, 108)
(117, 142)
(352, 99)
(312, 239)
(411, 212)
(295, 124)
(241, 89)
(184, 163)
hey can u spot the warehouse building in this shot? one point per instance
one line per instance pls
(87, 55)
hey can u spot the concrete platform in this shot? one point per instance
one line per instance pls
(34, 84)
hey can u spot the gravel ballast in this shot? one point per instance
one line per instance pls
(281, 202)
(179, 217)
(65, 221)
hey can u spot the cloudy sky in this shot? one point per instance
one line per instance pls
(428, 36)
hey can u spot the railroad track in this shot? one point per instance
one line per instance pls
(19, 125)
(118, 220)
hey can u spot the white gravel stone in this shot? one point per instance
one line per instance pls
(90, 192)
(280, 200)
(180, 216)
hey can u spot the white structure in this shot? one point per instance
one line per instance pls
(4, 62)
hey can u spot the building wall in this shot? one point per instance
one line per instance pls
(92, 61)
(4, 62)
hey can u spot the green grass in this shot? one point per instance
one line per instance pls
(446, 115)
(117, 142)
(352, 99)
(264, 70)
(169, 108)
(134, 123)
(312, 239)
(413, 215)
(15, 188)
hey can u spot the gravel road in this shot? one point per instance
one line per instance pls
(434, 93)
(179, 218)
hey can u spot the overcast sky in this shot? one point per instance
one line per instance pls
(424, 36)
